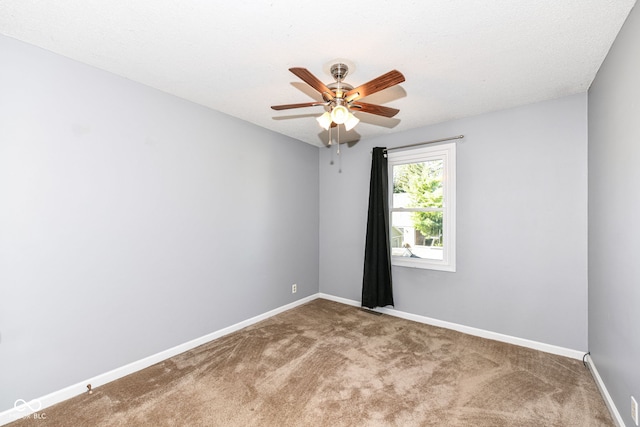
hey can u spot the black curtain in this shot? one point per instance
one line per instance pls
(376, 284)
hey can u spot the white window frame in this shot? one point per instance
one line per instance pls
(446, 152)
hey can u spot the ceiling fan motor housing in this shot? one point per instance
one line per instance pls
(339, 71)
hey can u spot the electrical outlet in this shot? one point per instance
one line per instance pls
(634, 410)
(294, 288)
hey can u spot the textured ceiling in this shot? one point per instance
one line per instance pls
(459, 57)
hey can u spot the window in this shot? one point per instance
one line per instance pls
(423, 207)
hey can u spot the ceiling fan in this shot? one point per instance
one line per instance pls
(341, 98)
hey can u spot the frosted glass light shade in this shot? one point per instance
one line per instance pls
(339, 114)
(351, 122)
(324, 121)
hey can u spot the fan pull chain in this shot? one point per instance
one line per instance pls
(338, 153)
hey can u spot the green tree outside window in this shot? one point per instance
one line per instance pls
(423, 184)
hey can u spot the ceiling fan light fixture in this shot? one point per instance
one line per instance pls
(324, 120)
(351, 122)
(339, 114)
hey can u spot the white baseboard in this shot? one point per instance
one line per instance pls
(34, 408)
(547, 348)
(617, 418)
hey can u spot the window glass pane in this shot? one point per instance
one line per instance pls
(418, 185)
(417, 234)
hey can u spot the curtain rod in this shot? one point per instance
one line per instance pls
(424, 143)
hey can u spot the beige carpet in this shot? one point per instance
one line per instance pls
(328, 364)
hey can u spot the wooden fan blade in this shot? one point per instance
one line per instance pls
(302, 105)
(375, 109)
(306, 76)
(389, 79)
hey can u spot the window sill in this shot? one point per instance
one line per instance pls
(425, 264)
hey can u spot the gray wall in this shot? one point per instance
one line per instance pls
(522, 224)
(614, 211)
(132, 221)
